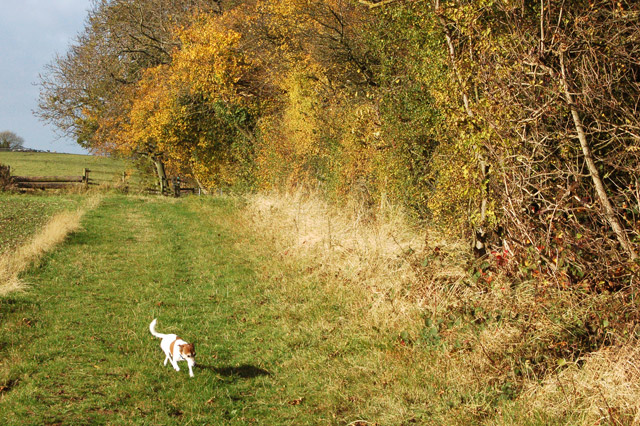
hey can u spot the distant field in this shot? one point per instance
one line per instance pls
(103, 170)
(21, 215)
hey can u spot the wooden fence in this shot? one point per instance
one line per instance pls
(58, 182)
(179, 189)
(51, 182)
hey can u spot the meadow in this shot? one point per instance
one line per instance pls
(302, 312)
(271, 349)
(103, 170)
(22, 216)
(276, 342)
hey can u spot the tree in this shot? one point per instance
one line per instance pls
(193, 115)
(546, 92)
(86, 92)
(565, 85)
(10, 141)
(121, 39)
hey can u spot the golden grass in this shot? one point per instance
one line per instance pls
(371, 252)
(606, 389)
(13, 263)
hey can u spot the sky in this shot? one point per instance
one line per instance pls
(31, 33)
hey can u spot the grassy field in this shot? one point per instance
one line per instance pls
(298, 318)
(103, 170)
(77, 350)
(22, 216)
(277, 342)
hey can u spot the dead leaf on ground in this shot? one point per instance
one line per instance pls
(296, 401)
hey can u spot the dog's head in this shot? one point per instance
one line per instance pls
(188, 352)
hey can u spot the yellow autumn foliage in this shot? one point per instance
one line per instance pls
(186, 112)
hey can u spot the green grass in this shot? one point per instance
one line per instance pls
(103, 170)
(22, 216)
(276, 344)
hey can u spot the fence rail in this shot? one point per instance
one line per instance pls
(51, 182)
(31, 179)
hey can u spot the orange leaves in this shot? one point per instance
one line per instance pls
(210, 61)
(149, 111)
(188, 112)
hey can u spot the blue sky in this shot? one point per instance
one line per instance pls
(31, 33)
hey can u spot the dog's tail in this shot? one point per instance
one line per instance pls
(152, 329)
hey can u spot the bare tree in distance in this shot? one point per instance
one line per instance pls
(10, 141)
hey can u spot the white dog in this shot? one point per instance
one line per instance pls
(175, 348)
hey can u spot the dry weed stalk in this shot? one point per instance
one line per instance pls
(12, 264)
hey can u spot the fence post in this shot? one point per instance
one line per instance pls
(85, 176)
(176, 186)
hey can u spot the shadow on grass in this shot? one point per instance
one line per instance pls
(243, 371)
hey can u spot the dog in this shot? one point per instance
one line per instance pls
(175, 349)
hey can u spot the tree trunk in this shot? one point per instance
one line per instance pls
(162, 176)
(204, 190)
(609, 211)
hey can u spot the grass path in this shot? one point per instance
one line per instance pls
(76, 349)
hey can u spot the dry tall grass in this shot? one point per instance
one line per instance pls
(13, 263)
(374, 251)
(604, 390)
